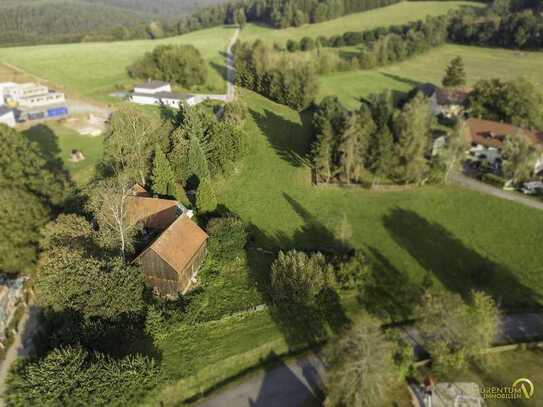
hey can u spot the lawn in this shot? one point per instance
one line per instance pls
(461, 238)
(400, 13)
(57, 142)
(480, 63)
(502, 369)
(94, 70)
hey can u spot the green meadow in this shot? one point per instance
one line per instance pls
(396, 14)
(57, 143)
(94, 70)
(460, 238)
(480, 63)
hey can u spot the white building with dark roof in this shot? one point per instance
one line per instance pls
(160, 93)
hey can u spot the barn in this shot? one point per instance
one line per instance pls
(177, 247)
(171, 263)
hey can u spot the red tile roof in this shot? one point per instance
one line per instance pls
(154, 213)
(492, 134)
(178, 244)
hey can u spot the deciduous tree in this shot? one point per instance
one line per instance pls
(362, 369)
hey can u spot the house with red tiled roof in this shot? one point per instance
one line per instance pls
(487, 137)
(171, 261)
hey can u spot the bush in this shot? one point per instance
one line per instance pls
(298, 278)
(493, 179)
(228, 237)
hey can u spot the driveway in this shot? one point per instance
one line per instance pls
(230, 76)
(473, 184)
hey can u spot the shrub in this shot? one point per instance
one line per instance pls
(493, 179)
(228, 237)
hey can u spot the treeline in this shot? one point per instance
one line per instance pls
(380, 141)
(278, 13)
(378, 47)
(522, 30)
(278, 77)
(428, 28)
(64, 21)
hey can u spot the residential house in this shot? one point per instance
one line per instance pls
(177, 245)
(44, 99)
(487, 137)
(7, 116)
(447, 102)
(160, 93)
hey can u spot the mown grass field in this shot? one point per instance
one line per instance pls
(94, 70)
(461, 238)
(480, 63)
(400, 13)
(57, 142)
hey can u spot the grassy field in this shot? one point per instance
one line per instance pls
(502, 369)
(462, 238)
(96, 69)
(480, 63)
(57, 142)
(400, 13)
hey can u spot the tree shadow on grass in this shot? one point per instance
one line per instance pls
(459, 268)
(411, 82)
(289, 139)
(389, 293)
(221, 69)
(302, 325)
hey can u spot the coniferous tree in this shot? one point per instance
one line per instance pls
(163, 180)
(206, 200)
(455, 74)
(412, 128)
(198, 163)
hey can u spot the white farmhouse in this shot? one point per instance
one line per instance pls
(160, 93)
(46, 99)
(7, 117)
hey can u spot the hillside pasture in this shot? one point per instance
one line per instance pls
(395, 14)
(94, 70)
(480, 63)
(461, 239)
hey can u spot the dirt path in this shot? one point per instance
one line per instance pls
(470, 183)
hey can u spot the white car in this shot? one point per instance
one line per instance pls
(532, 188)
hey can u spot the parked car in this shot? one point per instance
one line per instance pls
(533, 188)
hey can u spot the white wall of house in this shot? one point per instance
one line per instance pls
(489, 154)
(8, 119)
(165, 88)
(144, 99)
(42, 100)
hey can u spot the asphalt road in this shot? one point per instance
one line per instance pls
(299, 382)
(295, 383)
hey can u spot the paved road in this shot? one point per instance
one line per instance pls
(298, 382)
(475, 185)
(21, 346)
